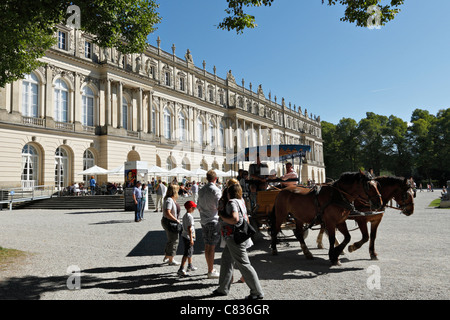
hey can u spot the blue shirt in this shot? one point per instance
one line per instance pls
(137, 192)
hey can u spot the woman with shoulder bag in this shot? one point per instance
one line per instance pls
(233, 253)
(171, 223)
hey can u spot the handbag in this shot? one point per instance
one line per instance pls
(244, 231)
(175, 226)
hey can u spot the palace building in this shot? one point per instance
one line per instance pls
(92, 105)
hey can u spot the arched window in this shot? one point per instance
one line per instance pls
(167, 123)
(87, 111)
(199, 131)
(212, 135)
(30, 96)
(61, 101)
(125, 112)
(88, 162)
(30, 166)
(182, 127)
(61, 168)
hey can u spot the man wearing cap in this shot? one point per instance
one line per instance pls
(207, 205)
(137, 197)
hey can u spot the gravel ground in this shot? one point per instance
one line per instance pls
(119, 259)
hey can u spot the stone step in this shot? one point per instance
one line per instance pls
(81, 202)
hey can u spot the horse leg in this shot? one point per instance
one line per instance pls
(320, 237)
(373, 235)
(331, 251)
(365, 236)
(336, 251)
(275, 228)
(299, 234)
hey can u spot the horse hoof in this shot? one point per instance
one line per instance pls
(274, 252)
(309, 256)
(351, 248)
(335, 263)
(320, 246)
(373, 257)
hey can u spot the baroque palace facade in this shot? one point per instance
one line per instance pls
(92, 105)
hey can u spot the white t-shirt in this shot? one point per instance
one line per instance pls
(188, 221)
(169, 204)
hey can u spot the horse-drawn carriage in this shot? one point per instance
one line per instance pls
(329, 206)
(260, 207)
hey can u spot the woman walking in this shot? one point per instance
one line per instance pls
(233, 253)
(171, 217)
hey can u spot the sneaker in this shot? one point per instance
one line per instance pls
(182, 273)
(191, 268)
(174, 263)
(254, 297)
(217, 293)
(213, 275)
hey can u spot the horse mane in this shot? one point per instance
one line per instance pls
(392, 180)
(351, 177)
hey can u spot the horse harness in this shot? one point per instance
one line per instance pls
(341, 201)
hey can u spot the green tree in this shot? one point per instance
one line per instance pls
(398, 151)
(29, 26)
(331, 151)
(371, 135)
(422, 142)
(357, 12)
(341, 147)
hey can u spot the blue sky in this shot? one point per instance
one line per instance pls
(303, 52)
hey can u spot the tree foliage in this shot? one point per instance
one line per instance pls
(388, 144)
(29, 26)
(358, 12)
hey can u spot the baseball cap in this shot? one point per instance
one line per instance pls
(190, 204)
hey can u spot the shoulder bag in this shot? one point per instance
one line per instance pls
(244, 231)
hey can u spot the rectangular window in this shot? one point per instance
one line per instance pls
(182, 84)
(87, 49)
(153, 128)
(200, 92)
(211, 95)
(125, 116)
(62, 40)
(167, 75)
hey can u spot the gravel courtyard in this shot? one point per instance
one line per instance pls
(117, 258)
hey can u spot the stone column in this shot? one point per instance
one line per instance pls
(139, 110)
(119, 104)
(77, 100)
(149, 113)
(108, 97)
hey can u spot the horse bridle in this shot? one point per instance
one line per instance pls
(402, 206)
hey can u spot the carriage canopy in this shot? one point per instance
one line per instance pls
(280, 152)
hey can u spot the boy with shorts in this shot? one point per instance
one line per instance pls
(188, 237)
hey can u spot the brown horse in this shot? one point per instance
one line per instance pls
(395, 188)
(330, 205)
